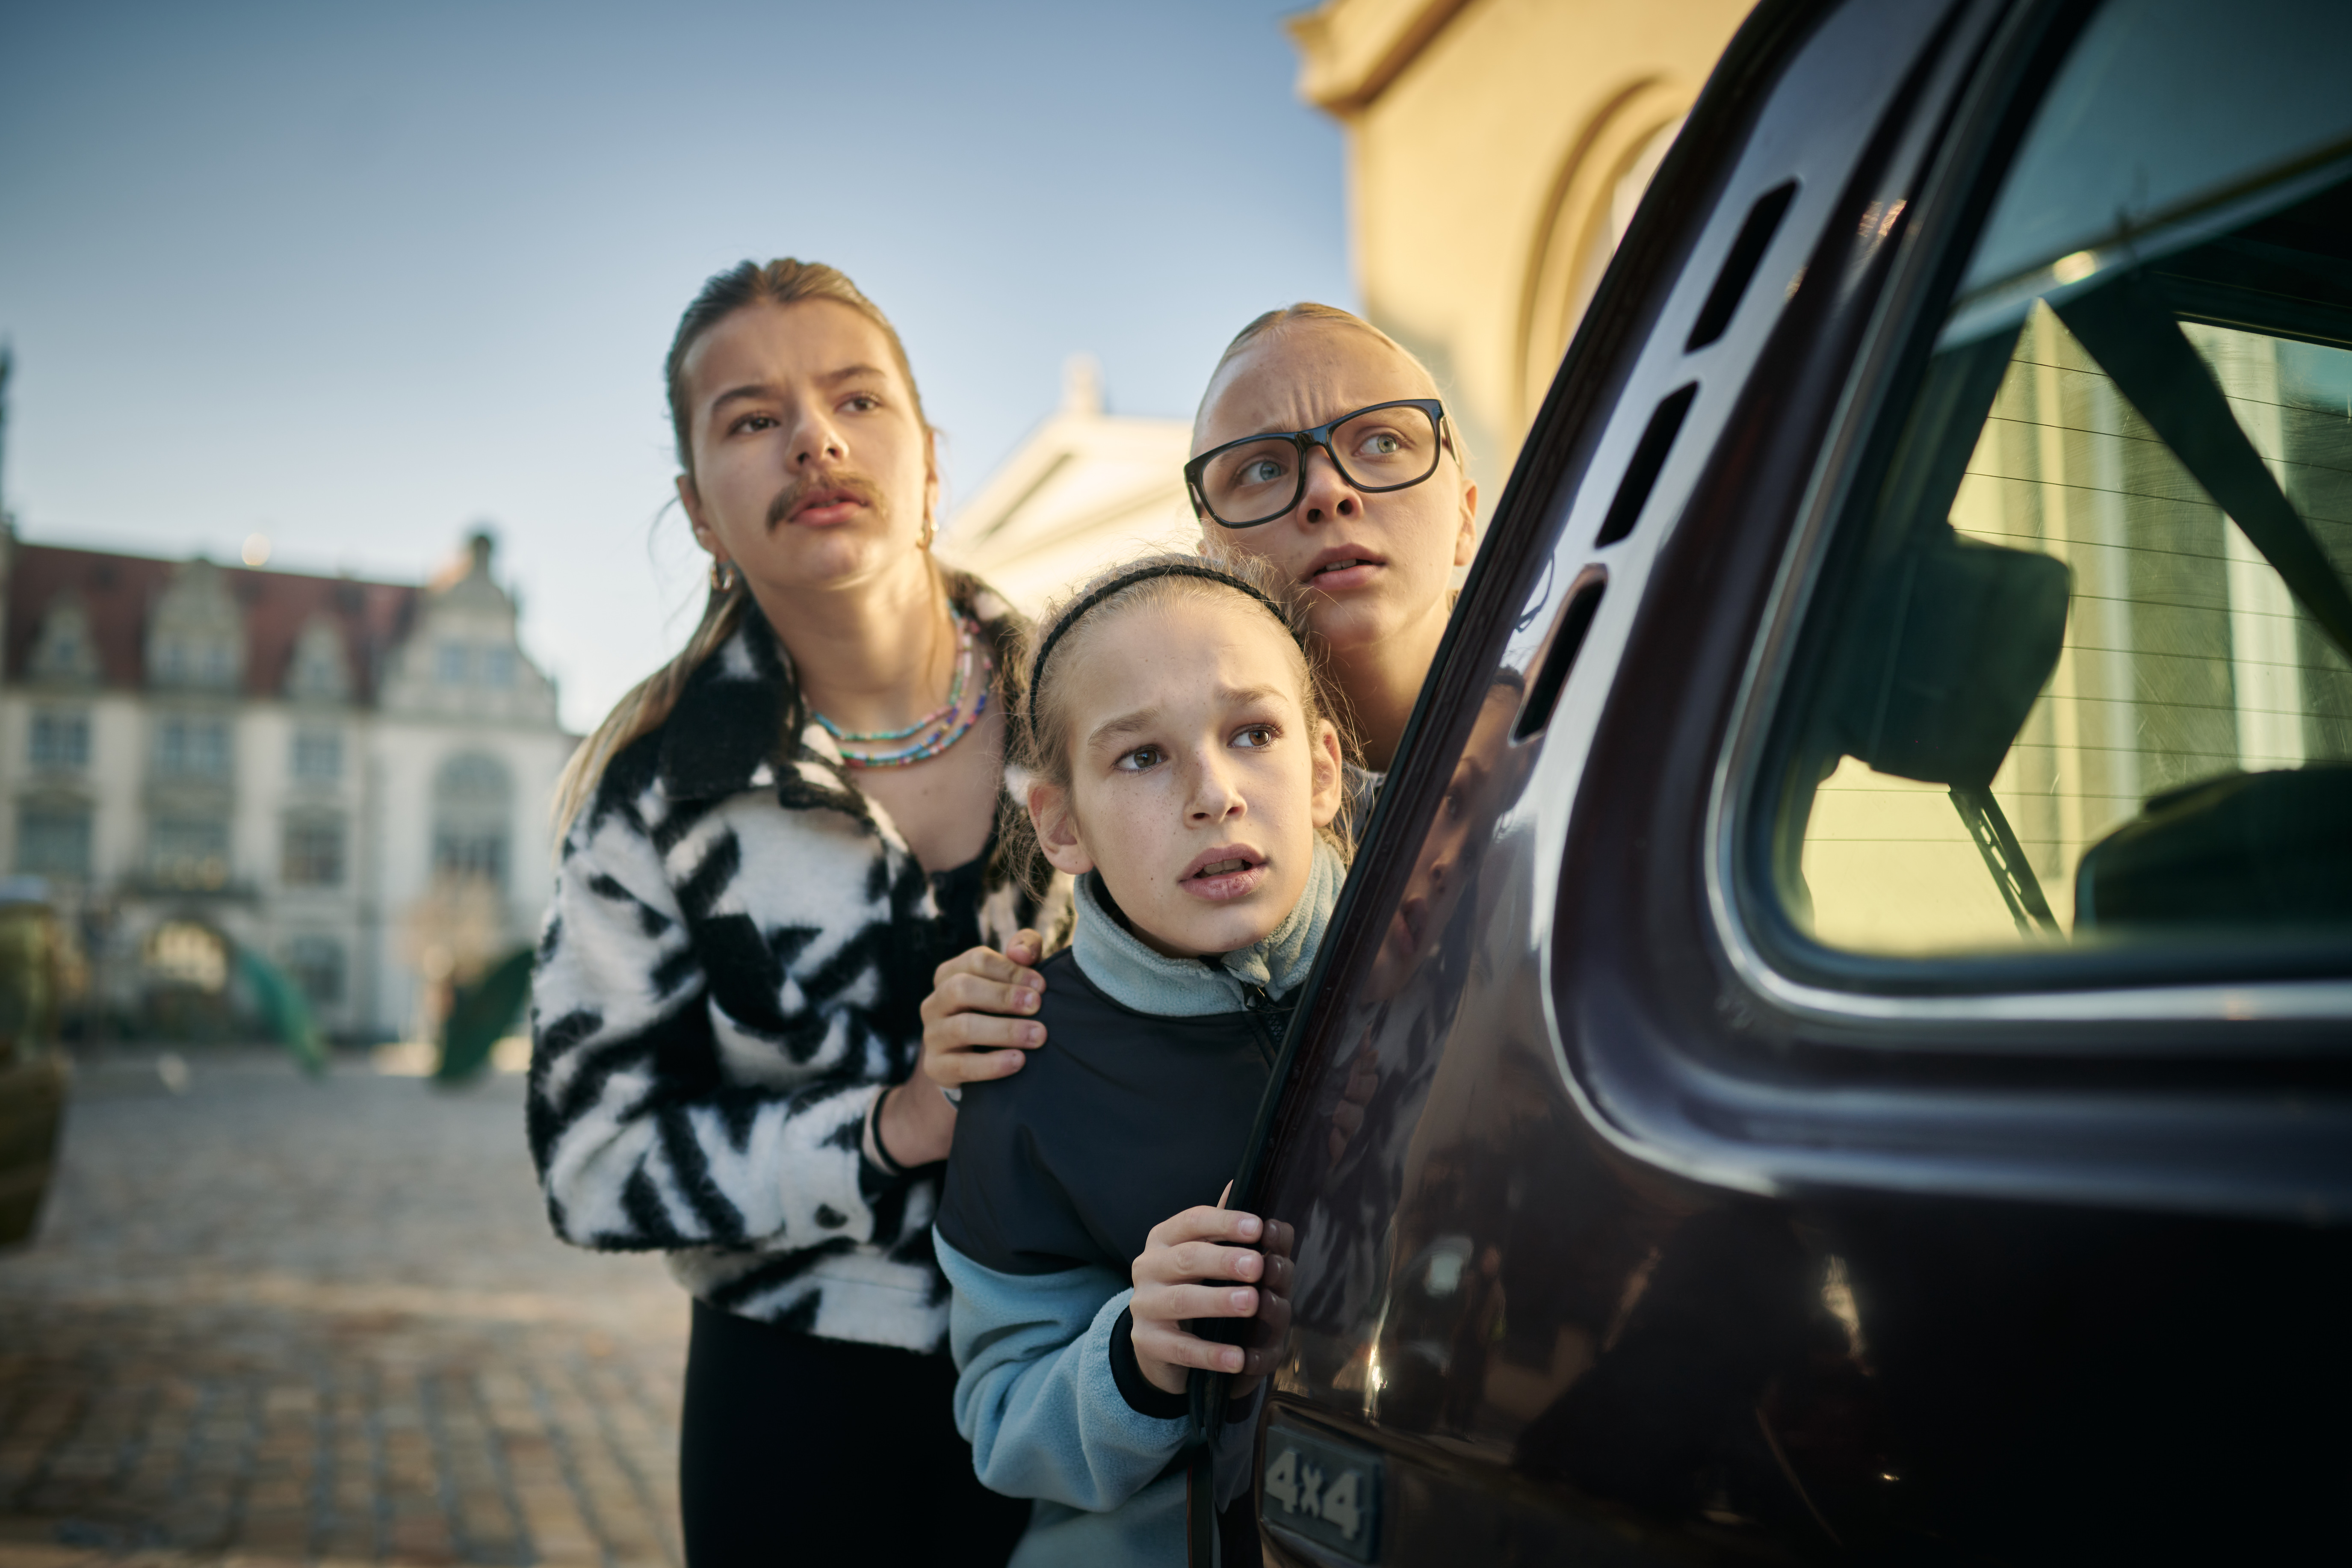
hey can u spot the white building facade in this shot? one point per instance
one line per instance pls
(1085, 490)
(348, 777)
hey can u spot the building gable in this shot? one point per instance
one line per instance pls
(118, 595)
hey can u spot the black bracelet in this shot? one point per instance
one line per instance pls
(889, 1166)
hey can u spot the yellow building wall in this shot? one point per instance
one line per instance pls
(1496, 148)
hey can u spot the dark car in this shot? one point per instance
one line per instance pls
(1840, 1040)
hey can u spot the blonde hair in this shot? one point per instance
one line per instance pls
(1039, 741)
(784, 281)
(1300, 313)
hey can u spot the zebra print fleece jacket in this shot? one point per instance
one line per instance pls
(730, 976)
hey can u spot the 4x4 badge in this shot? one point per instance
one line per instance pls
(1323, 1491)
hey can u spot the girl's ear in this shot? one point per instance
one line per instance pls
(1057, 829)
(690, 499)
(1329, 779)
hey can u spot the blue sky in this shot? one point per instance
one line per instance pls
(355, 277)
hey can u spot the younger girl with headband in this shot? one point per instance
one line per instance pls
(1180, 763)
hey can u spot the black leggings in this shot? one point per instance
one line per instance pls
(798, 1449)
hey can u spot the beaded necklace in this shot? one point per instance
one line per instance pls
(936, 731)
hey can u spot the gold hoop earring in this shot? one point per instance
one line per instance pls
(723, 576)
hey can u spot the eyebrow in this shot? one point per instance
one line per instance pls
(1333, 419)
(754, 391)
(1143, 717)
(1125, 724)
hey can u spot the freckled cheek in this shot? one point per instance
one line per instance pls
(1137, 830)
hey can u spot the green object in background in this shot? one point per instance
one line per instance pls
(282, 1004)
(482, 1012)
(33, 1073)
(28, 977)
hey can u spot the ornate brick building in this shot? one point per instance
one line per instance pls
(349, 776)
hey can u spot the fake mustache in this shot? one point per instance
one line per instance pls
(843, 482)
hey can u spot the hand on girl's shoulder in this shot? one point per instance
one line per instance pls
(980, 1017)
(1064, 995)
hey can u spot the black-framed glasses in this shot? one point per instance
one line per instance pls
(1387, 447)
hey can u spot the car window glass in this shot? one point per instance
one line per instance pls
(2077, 675)
(2126, 137)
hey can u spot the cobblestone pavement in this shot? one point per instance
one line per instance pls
(281, 1321)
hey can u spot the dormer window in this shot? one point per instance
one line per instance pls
(65, 650)
(453, 663)
(208, 662)
(197, 636)
(318, 670)
(498, 667)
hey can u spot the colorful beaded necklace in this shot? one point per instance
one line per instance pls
(935, 731)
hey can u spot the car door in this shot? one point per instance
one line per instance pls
(1837, 1040)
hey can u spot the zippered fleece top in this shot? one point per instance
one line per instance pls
(1136, 1107)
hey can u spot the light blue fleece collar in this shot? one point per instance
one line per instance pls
(1360, 787)
(1133, 975)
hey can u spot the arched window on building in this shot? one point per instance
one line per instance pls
(1600, 181)
(473, 815)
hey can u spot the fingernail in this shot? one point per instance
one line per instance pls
(1248, 1227)
(1231, 1360)
(1028, 1000)
(1244, 1299)
(1034, 1033)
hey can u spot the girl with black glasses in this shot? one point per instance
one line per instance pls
(1320, 448)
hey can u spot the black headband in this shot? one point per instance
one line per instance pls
(1120, 584)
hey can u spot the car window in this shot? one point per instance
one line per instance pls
(2078, 671)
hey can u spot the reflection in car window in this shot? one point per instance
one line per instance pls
(2078, 673)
